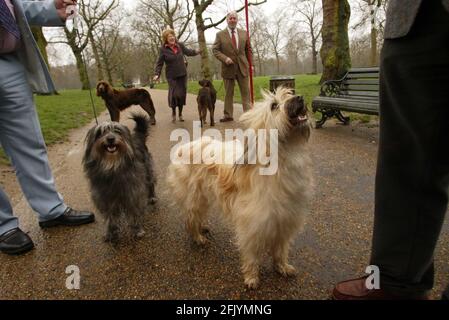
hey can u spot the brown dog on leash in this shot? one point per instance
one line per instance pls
(207, 96)
(117, 100)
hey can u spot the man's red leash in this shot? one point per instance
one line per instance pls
(250, 56)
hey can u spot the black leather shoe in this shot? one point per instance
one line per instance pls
(15, 241)
(226, 119)
(70, 217)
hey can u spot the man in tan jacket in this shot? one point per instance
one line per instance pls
(232, 48)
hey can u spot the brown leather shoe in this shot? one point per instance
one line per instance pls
(355, 289)
(227, 119)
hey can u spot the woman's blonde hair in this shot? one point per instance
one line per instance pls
(166, 33)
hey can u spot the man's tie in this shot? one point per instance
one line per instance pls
(234, 42)
(7, 20)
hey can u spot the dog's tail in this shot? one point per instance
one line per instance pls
(142, 128)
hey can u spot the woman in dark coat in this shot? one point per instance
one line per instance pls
(172, 54)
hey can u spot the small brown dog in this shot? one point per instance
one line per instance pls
(207, 96)
(117, 101)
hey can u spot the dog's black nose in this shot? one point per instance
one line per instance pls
(110, 139)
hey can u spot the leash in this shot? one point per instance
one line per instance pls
(83, 59)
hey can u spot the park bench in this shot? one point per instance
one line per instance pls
(357, 91)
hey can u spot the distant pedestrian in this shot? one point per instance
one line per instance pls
(232, 48)
(172, 54)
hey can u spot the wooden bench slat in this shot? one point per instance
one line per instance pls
(371, 111)
(364, 70)
(362, 75)
(336, 101)
(361, 93)
(363, 81)
(365, 87)
(363, 98)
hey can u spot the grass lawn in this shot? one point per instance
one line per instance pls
(60, 113)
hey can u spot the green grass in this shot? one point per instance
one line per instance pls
(306, 85)
(60, 113)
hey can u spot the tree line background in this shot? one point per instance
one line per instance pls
(296, 37)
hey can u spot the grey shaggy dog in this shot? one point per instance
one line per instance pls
(119, 168)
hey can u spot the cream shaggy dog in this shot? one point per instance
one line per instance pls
(266, 211)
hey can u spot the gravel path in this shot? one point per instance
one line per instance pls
(166, 265)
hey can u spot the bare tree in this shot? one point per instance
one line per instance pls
(296, 49)
(309, 15)
(374, 12)
(94, 13)
(107, 37)
(259, 44)
(200, 7)
(274, 35)
(91, 12)
(156, 15)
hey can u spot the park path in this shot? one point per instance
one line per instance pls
(166, 265)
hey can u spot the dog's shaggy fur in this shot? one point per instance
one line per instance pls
(119, 168)
(117, 101)
(207, 96)
(266, 211)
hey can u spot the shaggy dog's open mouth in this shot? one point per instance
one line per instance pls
(297, 111)
(300, 119)
(111, 148)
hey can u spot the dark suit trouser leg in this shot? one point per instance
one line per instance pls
(243, 83)
(229, 97)
(412, 176)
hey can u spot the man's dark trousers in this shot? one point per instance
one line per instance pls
(412, 178)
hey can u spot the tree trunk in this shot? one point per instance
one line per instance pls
(100, 75)
(82, 70)
(77, 52)
(374, 7)
(314, 58)
(373, 47)
(278, 63)
(335, 53)
(205, 68)
(259, 62)
(41, 42)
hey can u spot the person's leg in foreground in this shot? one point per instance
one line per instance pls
(22, 140)
(412, 176)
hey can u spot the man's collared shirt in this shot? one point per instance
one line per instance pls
(236, 34)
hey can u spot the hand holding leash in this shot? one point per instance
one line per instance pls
(65, 8)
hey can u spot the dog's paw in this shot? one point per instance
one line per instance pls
(252, 282)
(200, 240)
(111, 238)
(205, 230)
(212, 124)
(286, 270)
(139, 234)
